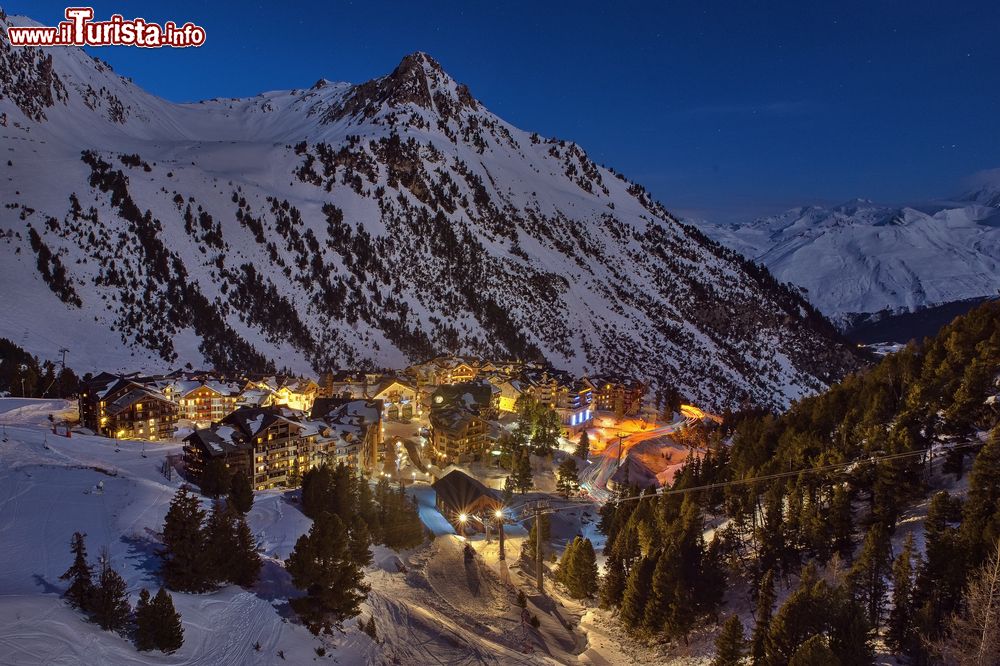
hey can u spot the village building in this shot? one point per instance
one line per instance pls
(399, 398)
(444, 370)
(293, 392)
(510, 391)
(349, 384)
(459, 421)
(478, 397)
(457, 493)
(571, 398)
(353, 433)
(203, 401)
(267, 442)
(575, 406)
(457, 436)
(296, 393)
(618, 394)
(140, 414)
(126, 407)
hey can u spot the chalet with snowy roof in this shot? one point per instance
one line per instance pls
(457, 493)
(444, 370)
(254, 396)
(510, 390)
(297, 393)
(267, 442)
(478, 397)
(348, 384)
(399, 398)
(140, 414)
(127, 407)
(203, 400)
(459, 419)
(353, 430)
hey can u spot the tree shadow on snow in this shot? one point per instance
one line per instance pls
(275, 583)
(143, 555)
(47, 587)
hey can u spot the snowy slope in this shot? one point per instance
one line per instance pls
(862, 257)
(427, 614)
(375, 223)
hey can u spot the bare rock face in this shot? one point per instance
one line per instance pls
(418, 80)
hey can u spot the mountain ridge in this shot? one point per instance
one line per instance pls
(860, 258)
(373, 223)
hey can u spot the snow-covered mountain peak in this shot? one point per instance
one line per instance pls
(985, 191)
(860, 257)
(418, 83)
(345, 225)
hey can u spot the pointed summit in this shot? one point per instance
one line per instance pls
(418, 80)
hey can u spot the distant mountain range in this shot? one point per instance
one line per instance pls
(346, 225)
(862, 260)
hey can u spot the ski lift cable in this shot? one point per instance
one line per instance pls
(778, 475)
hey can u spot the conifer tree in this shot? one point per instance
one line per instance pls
(400, 520)
(636, 593)
(367, 508)
(563, 573)
(662, 591)
(528, 549)
(523, 480)
(762, 617)
(900, 626)
(730, 643)
(942, 573)
(973, 635)
(613, 583)
(981, 512)
(801, 616)
(317, 485)
(507, 493)
(185, 560)
(814, 651)
(110, 607)
(215, 477)
(583, 570)
(567, 477)
(245, 564)
(220, 542)
(583, 447)
(240, 493)
(168, 632)
(360, 541)
(546, 437)
(773, 546)
(841, 521)
(145, 623)
(321, 565)
(868, 575)
(369, 628)
(80, 574)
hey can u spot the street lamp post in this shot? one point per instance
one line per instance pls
(462, 518)
(499, 516)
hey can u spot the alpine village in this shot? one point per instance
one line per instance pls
(378, 378)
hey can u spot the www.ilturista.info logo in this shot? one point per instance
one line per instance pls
(79, 29)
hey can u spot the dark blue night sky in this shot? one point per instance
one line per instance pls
(723, 112)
